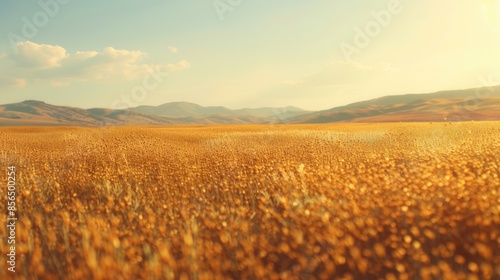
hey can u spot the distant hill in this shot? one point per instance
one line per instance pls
(457, 105)
(181, 110)
(35, 113)
(185, 110)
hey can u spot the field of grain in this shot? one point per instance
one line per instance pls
(342, 201)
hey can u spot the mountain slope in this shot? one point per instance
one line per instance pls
(185, 110)
(33, 112)
(180, 110)
(458, 105)
(37, 113)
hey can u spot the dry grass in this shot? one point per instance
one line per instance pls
(391, 201)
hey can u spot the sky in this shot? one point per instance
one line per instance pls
(240, 53)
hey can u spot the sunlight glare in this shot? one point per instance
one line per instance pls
(491, 14)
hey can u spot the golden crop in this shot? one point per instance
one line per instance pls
(342, 201)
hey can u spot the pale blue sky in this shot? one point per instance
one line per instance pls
(260, 53)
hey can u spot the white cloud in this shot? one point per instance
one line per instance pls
(85, 55)
(123, 56)
(181, 65)
(39, 56)
(59, 68)
(173, 49)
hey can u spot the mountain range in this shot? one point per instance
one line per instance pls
(456, 105)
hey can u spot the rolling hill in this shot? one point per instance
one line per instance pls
(458, 105)
(37, 113)
(186, 110)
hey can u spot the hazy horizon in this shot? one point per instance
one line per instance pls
(254, 107)
(242, 54)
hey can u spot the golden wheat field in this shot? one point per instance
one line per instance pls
(340, 201)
